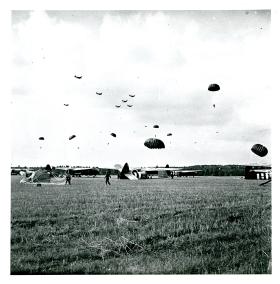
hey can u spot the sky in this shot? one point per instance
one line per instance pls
(167, 59)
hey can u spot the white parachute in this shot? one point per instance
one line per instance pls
(42, 177)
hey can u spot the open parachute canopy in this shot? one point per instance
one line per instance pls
(41, 138)
(113, 134)
(72, 137)
(154, 143)
(169, 134)
(259, 150)
(117, 166)
(213, 87)
(155, 126)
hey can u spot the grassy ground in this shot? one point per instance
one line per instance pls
(202, 225)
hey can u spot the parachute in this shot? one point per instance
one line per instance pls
(213, 87)
(259, 150)
(169, 134)
(41, 138)
(132, 96)
(66, 105)
(48, 168)
(72, 137)
(113, 134)
(153, 143)
(117, 106)
(78, 77)
(155, 126)
(124, 101)
(42, 177)
(125, 169)
(99, 94)
(117, 166)
(129, 105)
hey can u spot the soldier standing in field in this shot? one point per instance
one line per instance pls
(107, 178)
(68, 178)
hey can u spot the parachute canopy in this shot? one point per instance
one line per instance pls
(41, 176)
(129, 105)
(169, 134)
(48, 168)
(99, 94)
(124, 101)
(132, 96)
(72, 137)
(117, 106)
(78, 77)
(113, 134)
(213, 87)
(155, 126)
(41, 138)
(154, 143)
(66, 104)
(117, 166)
(125, 169)
(259, 150)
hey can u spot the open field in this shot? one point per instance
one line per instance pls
(201, 225)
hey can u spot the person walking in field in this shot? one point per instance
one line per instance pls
(68, 178)
(107, 178)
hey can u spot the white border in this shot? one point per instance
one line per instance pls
(5, 129)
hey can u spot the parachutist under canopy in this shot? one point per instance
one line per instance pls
(154, 143)
(213, 87)
(259, 150)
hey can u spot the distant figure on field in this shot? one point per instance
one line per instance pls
(68, 178)
(107, 178)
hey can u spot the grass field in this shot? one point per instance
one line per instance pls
(201, 225)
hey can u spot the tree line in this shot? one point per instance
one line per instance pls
(219, 170)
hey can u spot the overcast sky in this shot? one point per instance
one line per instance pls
(167, 59)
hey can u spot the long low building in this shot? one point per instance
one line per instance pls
(258, 172)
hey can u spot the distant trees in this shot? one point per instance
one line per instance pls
(219, 170)
(206, 170)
